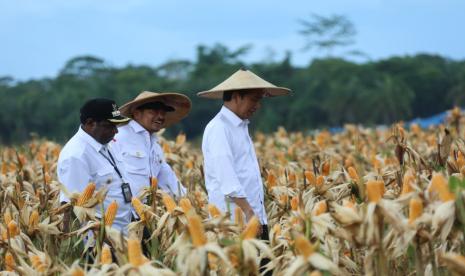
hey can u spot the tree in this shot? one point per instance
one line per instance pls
(327, 33)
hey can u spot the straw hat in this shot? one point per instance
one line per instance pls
(180, 103)
(244, 80)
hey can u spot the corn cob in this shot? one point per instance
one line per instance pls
(106, 257)
(214, 211)
(110, 214)
(86, 194)
(415, 209)
(196, 230)
(139, 207)
(135, 256)
(9, 262)
(294, 203)
(303, 246)
(320, 208)
(353, 174)
(185, 205)
(169, 203)
(252, 229)
(375, 190)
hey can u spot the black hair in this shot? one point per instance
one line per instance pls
(227, 95)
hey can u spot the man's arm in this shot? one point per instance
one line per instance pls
(245, 206)
(168, 181)
(74, 175)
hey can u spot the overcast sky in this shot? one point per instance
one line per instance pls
(37, 37)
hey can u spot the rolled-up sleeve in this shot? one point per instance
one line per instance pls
(74, 174)
(168, 181)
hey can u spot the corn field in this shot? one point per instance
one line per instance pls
(360, 202)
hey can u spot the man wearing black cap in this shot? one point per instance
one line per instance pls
(86, 158)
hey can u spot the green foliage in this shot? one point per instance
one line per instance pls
(456, 185)
(328, 92)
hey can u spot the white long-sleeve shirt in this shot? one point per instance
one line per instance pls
(143, 158)
(230, 164)
(81, 161)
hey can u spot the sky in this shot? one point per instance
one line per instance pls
(37, 37)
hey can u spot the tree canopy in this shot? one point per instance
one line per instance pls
(328, 92)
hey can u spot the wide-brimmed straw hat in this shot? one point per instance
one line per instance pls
(180, 103)
(244, 80)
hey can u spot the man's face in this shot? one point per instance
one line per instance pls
(103, 131)
(151, 119)
(248, 104)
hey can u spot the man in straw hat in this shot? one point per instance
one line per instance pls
(87, 158)
(232, 173)
(138, 143)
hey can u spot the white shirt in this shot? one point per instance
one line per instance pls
(143, 158)
(81, 161)
(230, 164)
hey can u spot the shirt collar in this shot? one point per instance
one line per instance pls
(138, 128)
(89, 140)
(232, 117)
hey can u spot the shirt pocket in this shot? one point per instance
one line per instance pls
(136, 162)
(104, 176)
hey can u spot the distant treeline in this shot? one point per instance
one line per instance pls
(328, 92)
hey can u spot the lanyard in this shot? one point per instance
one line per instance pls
(112, 162)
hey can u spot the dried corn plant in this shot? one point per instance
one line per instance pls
(360, 202)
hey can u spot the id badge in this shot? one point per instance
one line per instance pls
(127, 194)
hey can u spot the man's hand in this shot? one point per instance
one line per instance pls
(248, 211)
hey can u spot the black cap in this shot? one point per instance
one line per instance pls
(156, 105)
(101, 109)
